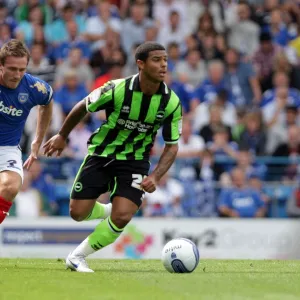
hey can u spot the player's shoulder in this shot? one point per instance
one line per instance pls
(37, 85)
(174, 99)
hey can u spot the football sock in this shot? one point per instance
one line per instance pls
(4, 208)
(100, 211)
(104, 234)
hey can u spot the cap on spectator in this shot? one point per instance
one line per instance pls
(265, 36)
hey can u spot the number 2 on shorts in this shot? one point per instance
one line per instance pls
(137, 180)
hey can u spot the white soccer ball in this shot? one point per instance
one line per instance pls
(180, 256)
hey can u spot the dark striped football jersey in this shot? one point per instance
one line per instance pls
(133, 119)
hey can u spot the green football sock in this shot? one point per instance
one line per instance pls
(104, 234)
(98, 212)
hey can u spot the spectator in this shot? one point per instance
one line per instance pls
(22, 12)
(205, 26)
(6, 19)
(183, 91)
(78, 138)
(208, 48)
(74, 41)
(242, 80)
(275, 100)
(190, 145)
(43, 182)
(174, 32)
(192, 70)
(221, 111)
(240, 201)
(114, 72)
(164, 8)
(5, 34)
(166, 200)
(25, 30)
(245, 161)
(221, 147)
(133, 31)
(254, 136)
(75, 63)
(264, 58)
(174, 58)
(39, 65)
(71, 92)
(244, 35)
(56, 32)
(98, 27)
(208, 90)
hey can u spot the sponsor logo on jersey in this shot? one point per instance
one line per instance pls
(40, 87)
(78, 187)
(10, 110)
(23, 97)
(132, 125)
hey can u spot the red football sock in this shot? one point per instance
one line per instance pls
(4, 208)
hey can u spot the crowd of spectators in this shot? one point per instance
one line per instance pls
(234, 64)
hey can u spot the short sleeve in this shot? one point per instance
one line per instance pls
(100, 98)
(172, 126)
(224, 199)
(42, 91)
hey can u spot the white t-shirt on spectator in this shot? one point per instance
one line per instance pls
(165, 195)
(96, 26)
(195, 143)
(202, 115)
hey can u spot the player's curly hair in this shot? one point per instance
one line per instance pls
(143, 50)
(14, 48)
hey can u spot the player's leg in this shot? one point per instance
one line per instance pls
(11, 177)
(126, 199)
(10, 184)
(91, 181)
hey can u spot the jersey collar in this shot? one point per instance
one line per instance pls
(135, 86)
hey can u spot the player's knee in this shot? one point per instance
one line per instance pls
(121, 219)
(76, 214)
(9, 189)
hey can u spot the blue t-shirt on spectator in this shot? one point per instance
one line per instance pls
(68, 99)
(245, 201)
(184, 92)
(270, 95)
(207, 91)
(62, 50)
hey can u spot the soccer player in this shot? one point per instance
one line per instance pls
(19, 92)
(118, 152)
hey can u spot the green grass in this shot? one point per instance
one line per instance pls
(146, 279)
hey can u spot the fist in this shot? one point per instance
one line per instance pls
(149, 184)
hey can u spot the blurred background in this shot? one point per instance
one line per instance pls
(235, 66)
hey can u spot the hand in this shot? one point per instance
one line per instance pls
(56, 144)
(149, 184)
(35, 147)
(234, 214)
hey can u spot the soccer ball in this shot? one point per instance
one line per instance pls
(180, 256)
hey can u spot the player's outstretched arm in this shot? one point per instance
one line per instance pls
(58, 142)
(43, 121)
(165, 162)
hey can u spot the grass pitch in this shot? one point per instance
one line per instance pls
(39, 279)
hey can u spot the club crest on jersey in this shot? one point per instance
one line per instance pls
(160, 115)
(23, 97)
(40, 87)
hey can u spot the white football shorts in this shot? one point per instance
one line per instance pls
(11, 159)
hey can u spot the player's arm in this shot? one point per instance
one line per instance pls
(95, 101)
(43, 122)
(171, 134)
